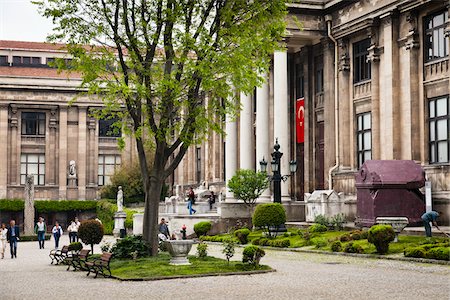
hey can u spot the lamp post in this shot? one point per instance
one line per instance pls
(276, 178)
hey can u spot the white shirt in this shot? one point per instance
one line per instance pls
(54, 230)
(3, 233)
(41, 226)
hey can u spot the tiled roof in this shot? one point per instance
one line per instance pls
(31, 45)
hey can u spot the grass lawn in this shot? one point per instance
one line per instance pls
(157, 267)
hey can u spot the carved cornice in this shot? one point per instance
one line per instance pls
(13, 120)
(412, 38)
(344, 59)
(92, 123)
(374, 54)
(52, 122)
(354, 27)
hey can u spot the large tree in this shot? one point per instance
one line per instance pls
(176, 66)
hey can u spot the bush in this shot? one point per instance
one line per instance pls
(130, 246)
(202, 250)
(129, 177)
(322, 220)
(337, 221)
(91, 232)
(317, 228)
(280, 243)
(75, 246)
(32, 238)
(319, 242)
(201, 228)
(248, 185)
(381, 236)
(12, 205)
(353, 248)
(345, 237)
(417, 252)
(105, 247)
(356, 235)
(105, 213)
(242, 235)
(228, 249)
(441, 253)
(364, 235)
(269, 215)
(215, 238)
(252, 255)
(336, 246)
(45, 206)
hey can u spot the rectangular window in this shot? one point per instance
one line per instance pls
(32, 164)
(318, 65)
(33, 123)
(436, 43)
(361, 68)
(107, 128)
(439, 123)
(107, 164)
(4, 60)
(364, 138)
(26, 61)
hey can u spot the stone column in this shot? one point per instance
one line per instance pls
(230, 152)
(14, 147)
(29, 206)
(92, 166)
(62, 177)
(82, 152)
(262, 128)
(412, 81)
(246, 147)
(3, 151)
(374, 58)
(51, 164)
(345, 124)
(281, 115)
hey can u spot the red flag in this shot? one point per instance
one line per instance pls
(300, 119)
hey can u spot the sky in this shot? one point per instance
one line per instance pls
(20, 21)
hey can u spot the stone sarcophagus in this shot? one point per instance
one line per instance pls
(389, 188)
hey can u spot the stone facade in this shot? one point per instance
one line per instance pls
(371, 74)
(43, 129)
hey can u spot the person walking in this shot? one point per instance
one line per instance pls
(211, 200)
(191, 201)
(73, 231)
(3, 238)
(13, 236)
(428, 217)
(77, 222)
(57, 233)
(40, 229)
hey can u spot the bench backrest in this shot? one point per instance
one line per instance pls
(65, 249)
(84, 253)
(106, 257)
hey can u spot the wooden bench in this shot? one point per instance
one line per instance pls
(59, 255)
(78, 261)
(100, 266)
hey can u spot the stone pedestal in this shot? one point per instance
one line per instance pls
(397, 223)
(179, 250)
(138, 221)
(29, 206)
(119, 222)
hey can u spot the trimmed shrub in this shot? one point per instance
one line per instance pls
(202, 250)
(242, 235)
(91, 232)
(45, 206)
(228, 249)
(75, 246)
(280, 243)
(441, 253)
(353, 248)
(319, 242)
(356, 235)
(201, 228)
(32, 238)
(12, 205)
(317, 228)
(417, 252)
(322, 220)
(215, 238)
(269, 215)
(336, 246)
(345, 238)
(364, 235)
(381, 236)
(252, 255)
(129, 247)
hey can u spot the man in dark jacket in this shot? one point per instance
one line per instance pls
(428, 217)
(13, 237)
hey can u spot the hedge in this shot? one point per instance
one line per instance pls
(64, 205)
(12, 204)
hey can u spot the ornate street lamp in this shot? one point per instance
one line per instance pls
(275, 164)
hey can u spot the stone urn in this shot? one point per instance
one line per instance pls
(397, 223)
(179, 250)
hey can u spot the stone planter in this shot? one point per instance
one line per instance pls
(397, 223)
(179, 250)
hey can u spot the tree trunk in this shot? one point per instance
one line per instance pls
(150, 225)
(92, 248)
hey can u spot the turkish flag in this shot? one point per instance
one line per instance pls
(300, 119)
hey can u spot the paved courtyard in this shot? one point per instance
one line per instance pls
(298, 276)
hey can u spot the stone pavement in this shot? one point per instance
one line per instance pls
(298, 276)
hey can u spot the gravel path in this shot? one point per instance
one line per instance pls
(298, 276)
